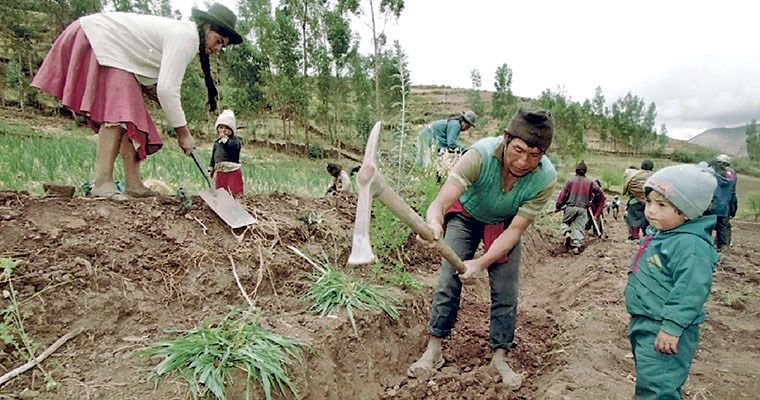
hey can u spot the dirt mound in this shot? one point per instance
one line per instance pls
(130, 274)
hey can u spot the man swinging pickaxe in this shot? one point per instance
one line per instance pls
(371, 183)
(492, 195)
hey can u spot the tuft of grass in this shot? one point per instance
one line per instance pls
(332, 289)
(204, 357)
(732, 298)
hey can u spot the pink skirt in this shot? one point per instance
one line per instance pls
(71, 73)
(232, 181)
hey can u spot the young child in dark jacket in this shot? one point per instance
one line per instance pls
(670, 279)
(225, 156)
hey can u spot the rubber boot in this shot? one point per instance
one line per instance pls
(431, 359)
(133, 185)
(510, 378)
(109, 139)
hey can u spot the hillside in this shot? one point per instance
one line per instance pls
(727, 140)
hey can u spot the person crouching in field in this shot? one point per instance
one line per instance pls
(341, 182)
(670, 279)
(225, 157)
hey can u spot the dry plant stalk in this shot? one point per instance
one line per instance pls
(45, 354)
(240, 285)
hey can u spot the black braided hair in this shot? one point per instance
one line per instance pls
(206, 67)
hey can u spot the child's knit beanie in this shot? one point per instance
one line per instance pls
(227, 118)
(689, 187)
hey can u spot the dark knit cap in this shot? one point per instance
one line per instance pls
(647, 165)
(533, 125)
(581, 166)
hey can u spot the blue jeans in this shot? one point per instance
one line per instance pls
(463, 235)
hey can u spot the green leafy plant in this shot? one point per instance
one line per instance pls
(332, 289)
(204, 357)
(12, 330)
(754, 204)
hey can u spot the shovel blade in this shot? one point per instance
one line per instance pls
(227, 208)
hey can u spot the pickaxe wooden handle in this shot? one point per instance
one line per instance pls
(371, 183)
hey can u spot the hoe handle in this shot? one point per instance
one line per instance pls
(200, 168)
(409, 217)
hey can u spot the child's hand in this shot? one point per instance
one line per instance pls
(666, 343)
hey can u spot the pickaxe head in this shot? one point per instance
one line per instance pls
(369, 180)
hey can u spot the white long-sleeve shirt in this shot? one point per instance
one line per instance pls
(155, 49)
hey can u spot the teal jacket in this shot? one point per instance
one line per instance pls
(446, 133)
(484, 199)
(671, 277)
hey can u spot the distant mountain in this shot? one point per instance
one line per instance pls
(731, 141)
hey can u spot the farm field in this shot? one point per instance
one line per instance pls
(126, 276)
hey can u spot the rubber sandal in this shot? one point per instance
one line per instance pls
(146, 193)
(115, 197)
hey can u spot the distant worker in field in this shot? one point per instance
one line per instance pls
(615, 207)
(633, 186)
(225, 156)
(498, 188)
(670, 279)
(443, 135)
(596, 209)
(577, 198)
(341, 182)
(724, 202)
(102, 64)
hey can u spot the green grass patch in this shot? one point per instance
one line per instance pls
(32, 157)
(331, 289)
(204, 357)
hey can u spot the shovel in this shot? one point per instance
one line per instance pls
(223, 204)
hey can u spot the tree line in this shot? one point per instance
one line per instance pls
(300, 61)
(627, 124)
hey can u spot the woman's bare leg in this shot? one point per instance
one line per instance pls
(132, 182)
(109, 140)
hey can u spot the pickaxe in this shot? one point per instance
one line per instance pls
(371, 183)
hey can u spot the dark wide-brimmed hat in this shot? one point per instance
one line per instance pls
(222, 18)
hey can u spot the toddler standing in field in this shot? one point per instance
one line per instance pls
(225, 157)
(670, 279)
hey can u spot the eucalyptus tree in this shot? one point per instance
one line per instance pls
(502, 98)
(376, 11)
(338, 36)
(286, 89)
(599, 112)
(753, 140)
(570, 122)
(474, 101)
(362, 114)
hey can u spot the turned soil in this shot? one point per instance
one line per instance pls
(130, 274)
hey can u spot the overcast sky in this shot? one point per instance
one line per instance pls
(698, 61)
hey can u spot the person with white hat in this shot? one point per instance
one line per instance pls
(443, 135)
(670, 279)
(225, 156)
(103, 64)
